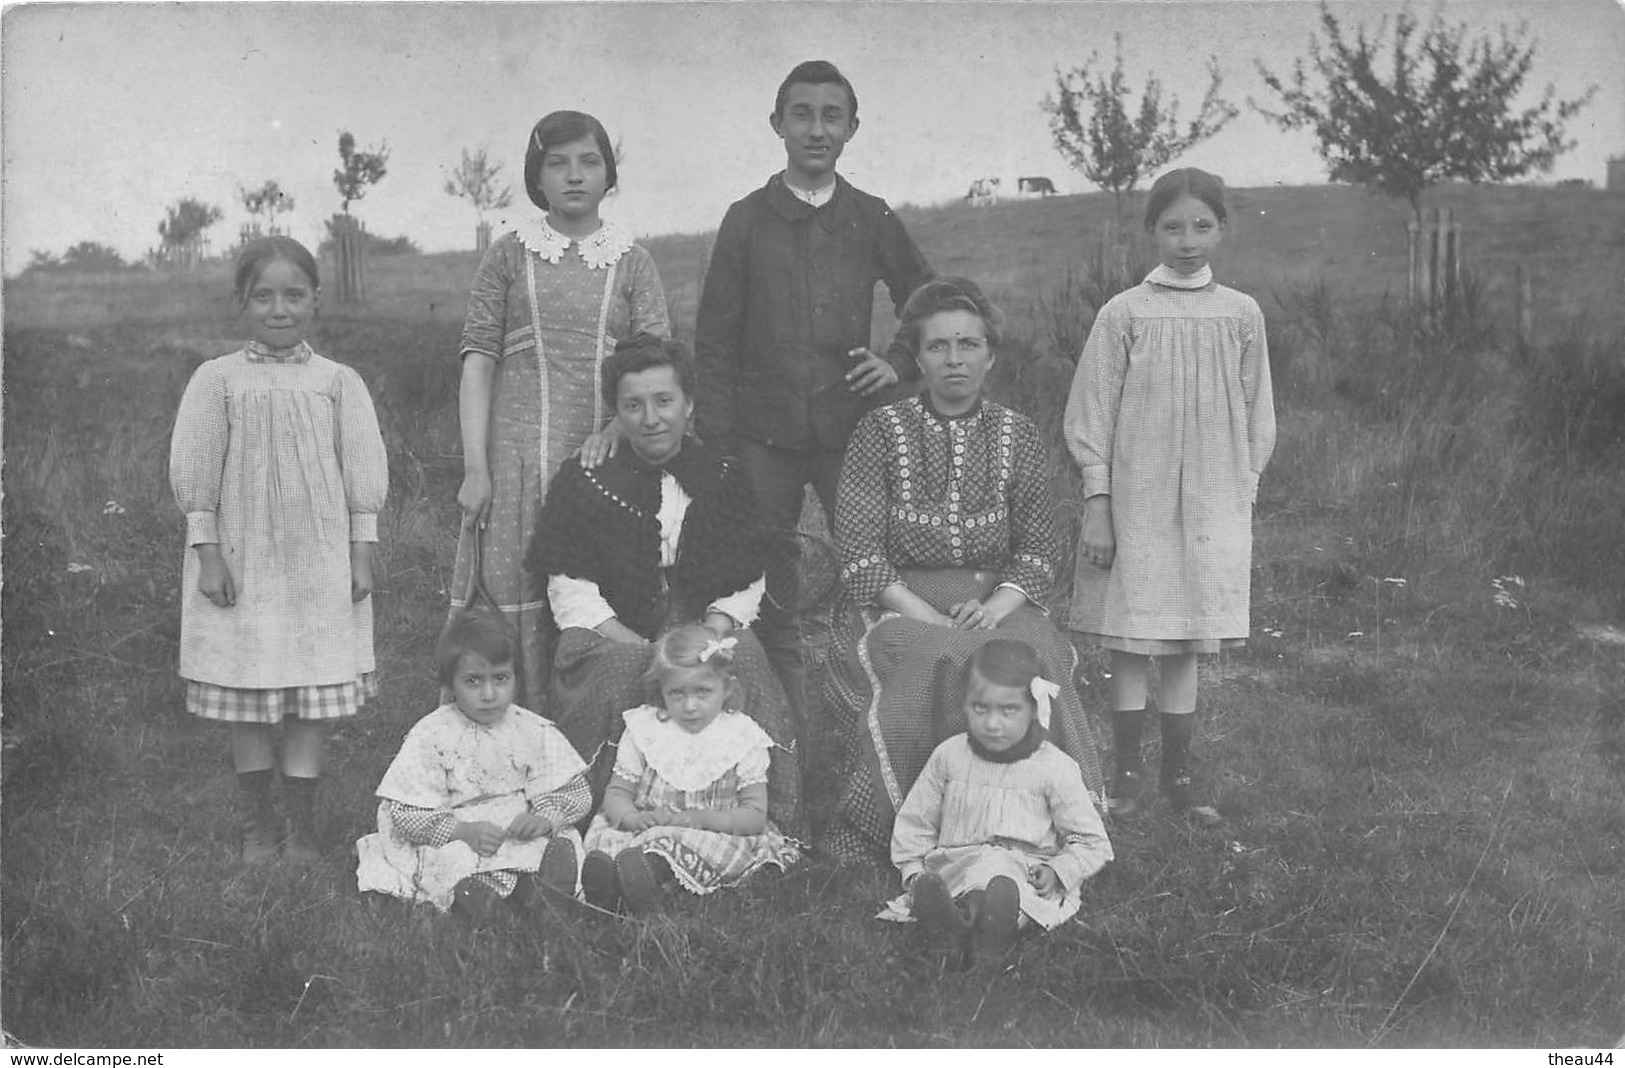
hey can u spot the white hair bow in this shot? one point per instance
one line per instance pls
(1043, 691)
(715, 646)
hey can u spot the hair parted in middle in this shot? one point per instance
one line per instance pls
(641, 353)
(480, 631)
(560, 128)
(1003, 662)
(949, 293)
(261, 251)
(815, 72)
(1185, 181)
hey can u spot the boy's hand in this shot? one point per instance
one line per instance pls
(601, 445)
(483, 838)
(1045, 881)
(1097, 539)
(871, 374)
(528, 825)
(214, 579)
(360, 570)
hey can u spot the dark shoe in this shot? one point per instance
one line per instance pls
(262, 837)
(1179, 787)
(474, 900)
(640, 887)
(1128, 790)
(558, 871)
(599, 884)
(996, 928)
(300, 847)
(934, 906)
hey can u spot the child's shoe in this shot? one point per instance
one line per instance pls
(300, 846)
(934, 906)
(1179, 787)
(599, 884)
(640, 887)
(1128, 790)
(996, 927)
(559, 872)
(473, 900)
(262, 837)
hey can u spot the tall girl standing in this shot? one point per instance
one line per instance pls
(1171, 421)
(550, 299)
(277, 462)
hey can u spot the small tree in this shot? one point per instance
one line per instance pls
(181, 231)
(268, 200)
(475, 180)
(362, 168)
(1090, 119)
(1444, 109)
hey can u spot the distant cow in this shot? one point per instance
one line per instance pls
(1041, 187)
(982, 192)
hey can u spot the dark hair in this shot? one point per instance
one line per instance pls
(947, 294)
(481, 631)
(1186, 181)
(642, 352)
(684, 646)
(560, 128)
(814, 72)
(261, 252)
(1003, 662)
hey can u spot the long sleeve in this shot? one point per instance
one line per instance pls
(197, 453)
(1085, 849)
(1033, 545)
(423, 826)
(860, 514)
(361, 456)
(1255, 384)
(744, 606)
(646, 297)
(1090, 423)
(919, 820)
(485, 323)
(567, 804)
(719, 330)
(904, 270)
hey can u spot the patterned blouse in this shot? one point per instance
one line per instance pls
(919, 489)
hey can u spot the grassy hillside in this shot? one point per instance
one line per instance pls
(1422, 747)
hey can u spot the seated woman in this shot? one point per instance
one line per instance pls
(664, 532)
(947, 539)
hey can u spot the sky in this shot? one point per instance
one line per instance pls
(111, 112)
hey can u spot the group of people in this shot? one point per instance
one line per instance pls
(624, 503)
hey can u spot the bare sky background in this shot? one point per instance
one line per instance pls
(111, 112)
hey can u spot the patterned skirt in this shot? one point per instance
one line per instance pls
(703, 861)
(894, 689)
(596, 679)
(228, 704)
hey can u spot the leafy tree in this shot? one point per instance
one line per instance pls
(362, 168)
(1445, 107)
(92, 256)
(1115, 145)
(181, 231)
(475, 180)
(269, 200)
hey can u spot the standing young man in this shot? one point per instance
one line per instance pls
(783, 331)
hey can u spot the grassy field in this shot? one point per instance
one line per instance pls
(1423, 747)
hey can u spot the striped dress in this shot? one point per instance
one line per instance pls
(1171, 414)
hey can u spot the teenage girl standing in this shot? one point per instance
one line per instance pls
(1171, 420)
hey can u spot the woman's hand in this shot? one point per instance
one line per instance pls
(528, 825)
(483, 838)
(910, 605)
(1098, 539)
(214, 579)
(870, 374)
(360, 570)
(985, 615)
(474, 497)
(600, 446)
(1046, 882)
(616, 631)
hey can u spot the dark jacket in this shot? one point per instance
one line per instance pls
(790, 291)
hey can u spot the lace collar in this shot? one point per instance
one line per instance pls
(693, 762)
(259, 352)
(1164, 275)
(601, 248)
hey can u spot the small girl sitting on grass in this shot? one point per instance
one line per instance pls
(479, 803)
(999, 829)
(687, 800)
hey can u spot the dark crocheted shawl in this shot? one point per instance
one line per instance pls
(603, 526)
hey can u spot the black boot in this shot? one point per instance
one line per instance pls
(1178, 784)
(301, 847)
(1129, 785)
(262, 827)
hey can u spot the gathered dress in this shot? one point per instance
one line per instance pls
(953, 506)
(665, 766)
(1171, 413)
(548, 310)
(970, 820)
(276, 457)
(449, 764)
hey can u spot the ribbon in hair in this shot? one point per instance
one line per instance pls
(1043, 692)
(718, 645)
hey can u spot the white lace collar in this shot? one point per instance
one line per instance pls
(694, 761)
(601, 248)
(1164, 275)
